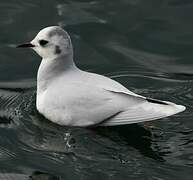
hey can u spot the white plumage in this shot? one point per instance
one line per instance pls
(69, 96)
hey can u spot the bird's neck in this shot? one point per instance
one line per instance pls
(50, 69)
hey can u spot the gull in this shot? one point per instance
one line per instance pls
(69, 96)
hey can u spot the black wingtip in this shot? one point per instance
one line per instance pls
(156, 101)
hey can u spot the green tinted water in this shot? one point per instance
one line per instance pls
(145, 45)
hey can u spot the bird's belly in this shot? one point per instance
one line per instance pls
(53, 111)
(64, 111)
(78, 104)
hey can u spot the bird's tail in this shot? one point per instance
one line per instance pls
(151, 109)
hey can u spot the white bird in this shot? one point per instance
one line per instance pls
(69, 96)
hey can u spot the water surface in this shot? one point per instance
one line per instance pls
(145, 45)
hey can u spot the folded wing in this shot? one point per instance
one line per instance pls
(147, 110)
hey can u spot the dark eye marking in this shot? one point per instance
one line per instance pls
(57, 50)
(43, 42)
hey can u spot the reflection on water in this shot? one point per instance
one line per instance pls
(89, 151)
(145, 45)
(43, 176)
(34, 176)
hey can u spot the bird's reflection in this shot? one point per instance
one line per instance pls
(37, 175)
(133, 135)
(49, 136)
(36, 137)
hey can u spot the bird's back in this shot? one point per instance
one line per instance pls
(81, 99)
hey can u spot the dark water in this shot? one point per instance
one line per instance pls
(147, 45)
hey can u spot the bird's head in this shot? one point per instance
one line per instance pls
(51, 42)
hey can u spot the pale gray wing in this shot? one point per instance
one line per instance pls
(97, 99)
(124, 106)
(105, 83)
(83, 104)
(145, 110)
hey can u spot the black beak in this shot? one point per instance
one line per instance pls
(26, 45)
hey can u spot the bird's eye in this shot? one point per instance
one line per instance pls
(43, 42)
